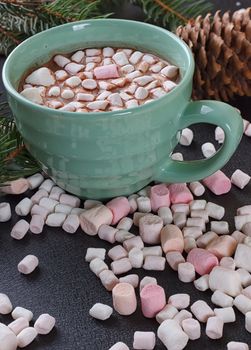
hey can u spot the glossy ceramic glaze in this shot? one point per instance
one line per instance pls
(101, 155)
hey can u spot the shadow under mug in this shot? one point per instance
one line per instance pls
(107, 154)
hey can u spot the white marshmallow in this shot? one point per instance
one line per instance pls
(168, 312)
(246, 209)
(32, 94)
(144, 204)
(214, 327)
(242, 303)
(170, 71)
(180, 301)
(67, 94)
(131, 103)
(78, 56)
(121, 266)
(55, 219)
(38, 210)
(18, 325)
(225, 280)
(37, 224)
(22, 312)
(47, 185)
(136, 257)
(197, 188)
(186, 272)
(44, 324)
(132, 279)
(180, 208)
(63, 208)
(208, 149)
(108, 51)
(8, 340)
(35, 180)
(61, 75)
(41, 76)
(73, 68)
(189, 244)
(97, 265)
(125, 224)
(240, 179)
(147, 280)
(198, 204)
(227, 314)
(120, 58)
(119, 346)
(143, 80)
(71, 223)
(174, 259)
(219, 134)
(221, 299)
(144, 340)
(20, 229)
(73, 81)
(115, 99)
(192, 328)
(117, 252)
(154, 250)
(107, 233)
(169, 85)
(215, 211)
(228, 262)
(108, 279)
(89, 84)
(201, 310)
(234, 345)
(141, 93)
(26, 337)
(93, 52)
(248, 321)
(186, 137)
(220, 227)
(172, 335)
(39, 195)
(101, 311)
(93, 253)
(102, 104)
(242, 257)
(166, 215)
(23, 207)
(149, 59)
(154, 263)
(177, 156)
(5, 212)
(5, 304)
(61, 60)
(28, 264)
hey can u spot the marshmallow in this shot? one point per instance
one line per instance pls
(55, 219)
(101, 311)
(147, 280)
(37, 224)
(20, 229)
(171, 239)
(234, 345)
(26, 337)
(124, 299)
(122, 235)
(97, 265)
(214, 327)
(221, 299)
(220, 227)
(71, 223)
(168, 312)
(222, 246)
(35, 180)
(121, 266)
(38, 210)
(189, 244)
(242, 257)
(177, 156)
(108, 51)
(120, 58)
(153, 262)
(117, 252)
(78, 56)
(208, 149)
(61, 60)
(174, 259)
(228, 262)
(22, 312)
(32, 94)
(180, 301)
(144, 204)
(28, 264)
(240, 179)
(154, 250)
(227, 314)
(144, 340)
(150, 227)
(153, 299)
(41, 76)
(5, 212)
(166, 215)
(186, 137)
(5, 304)
(108, 279)
(179, 193)
(218, 183)
(242, 303)
(225, 280)
(201, 310)
(248, 321)
(119, 207)
(107, 233)
(73, 68)
(197, 188)
(192, 328)
(119, 346)
(132, 279)
(93, 218)
(136, 257)
(202, 283)
(8, 340)
(186, 272)
(172, 335)
(16, 186)
(18, 325)
(93, 253)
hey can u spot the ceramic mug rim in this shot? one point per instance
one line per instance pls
(146, 107)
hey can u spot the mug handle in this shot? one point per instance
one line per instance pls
(213, 112)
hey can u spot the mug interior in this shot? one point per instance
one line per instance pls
(70, 37)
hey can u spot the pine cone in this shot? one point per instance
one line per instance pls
(222, 52)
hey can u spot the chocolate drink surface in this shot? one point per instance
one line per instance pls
(100, 80)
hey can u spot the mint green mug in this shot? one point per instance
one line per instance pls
(106, 154)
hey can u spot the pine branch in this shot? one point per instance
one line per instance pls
(172, 13)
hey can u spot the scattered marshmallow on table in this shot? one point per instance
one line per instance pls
(171, 239)
(168, 312)
(56, 192)
(177, 156)
(71, 223)
(248, 321)
(38, 210)
(16, 186)
(180, 301)
(159, 197)
(225, 280)
(144, 340)
(93, 218)
(28, 264)
(117, 252)
(240, 179)
(221, 246)
(179, 219)
(93, 253)
(132, 279)
(228, 262)
(227, 314)
(125, 224)
(48, 204)
(20, 229)
(180, 193)
(186, 272)
(153, 299)
(234, 345)
(189, 244)
(149, 228)
(192, 328)
(202, 283)
(97, 265)
(242, 257)
(242, 303)
(215, 211)
(122, 235)
(18, 325)
(47, 185)
(101, 311)
(124, 299)
(186, 137)
(5, 212)
(154, 250)
(218, 183)
(136, 257)
(119, 207)
(22, 312)
(172, 335)
(214, 327)
(26, 337)
(108, 279)
(37, 224)
(219, 134)
(220, 227)
(55, 219)
(35, 180)
(119, 346)
(39, 195)
(222, 299)
(174, 259)
(153, 262)
(201, 310)
(107, 233)
(134, 242)
(5, 304)
(166, 215)
(144, 204)
(8, 339)
(121, 266)
(147, 280)
(202, 260)
(69, 199)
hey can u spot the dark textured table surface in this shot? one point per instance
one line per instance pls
(64, 286)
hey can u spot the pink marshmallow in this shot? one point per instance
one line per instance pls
(159, 196)
(124, 299)
(106, 72)
(153, 299)
(180, 193)
(202, 260)
(218, 183)
(119, 207)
